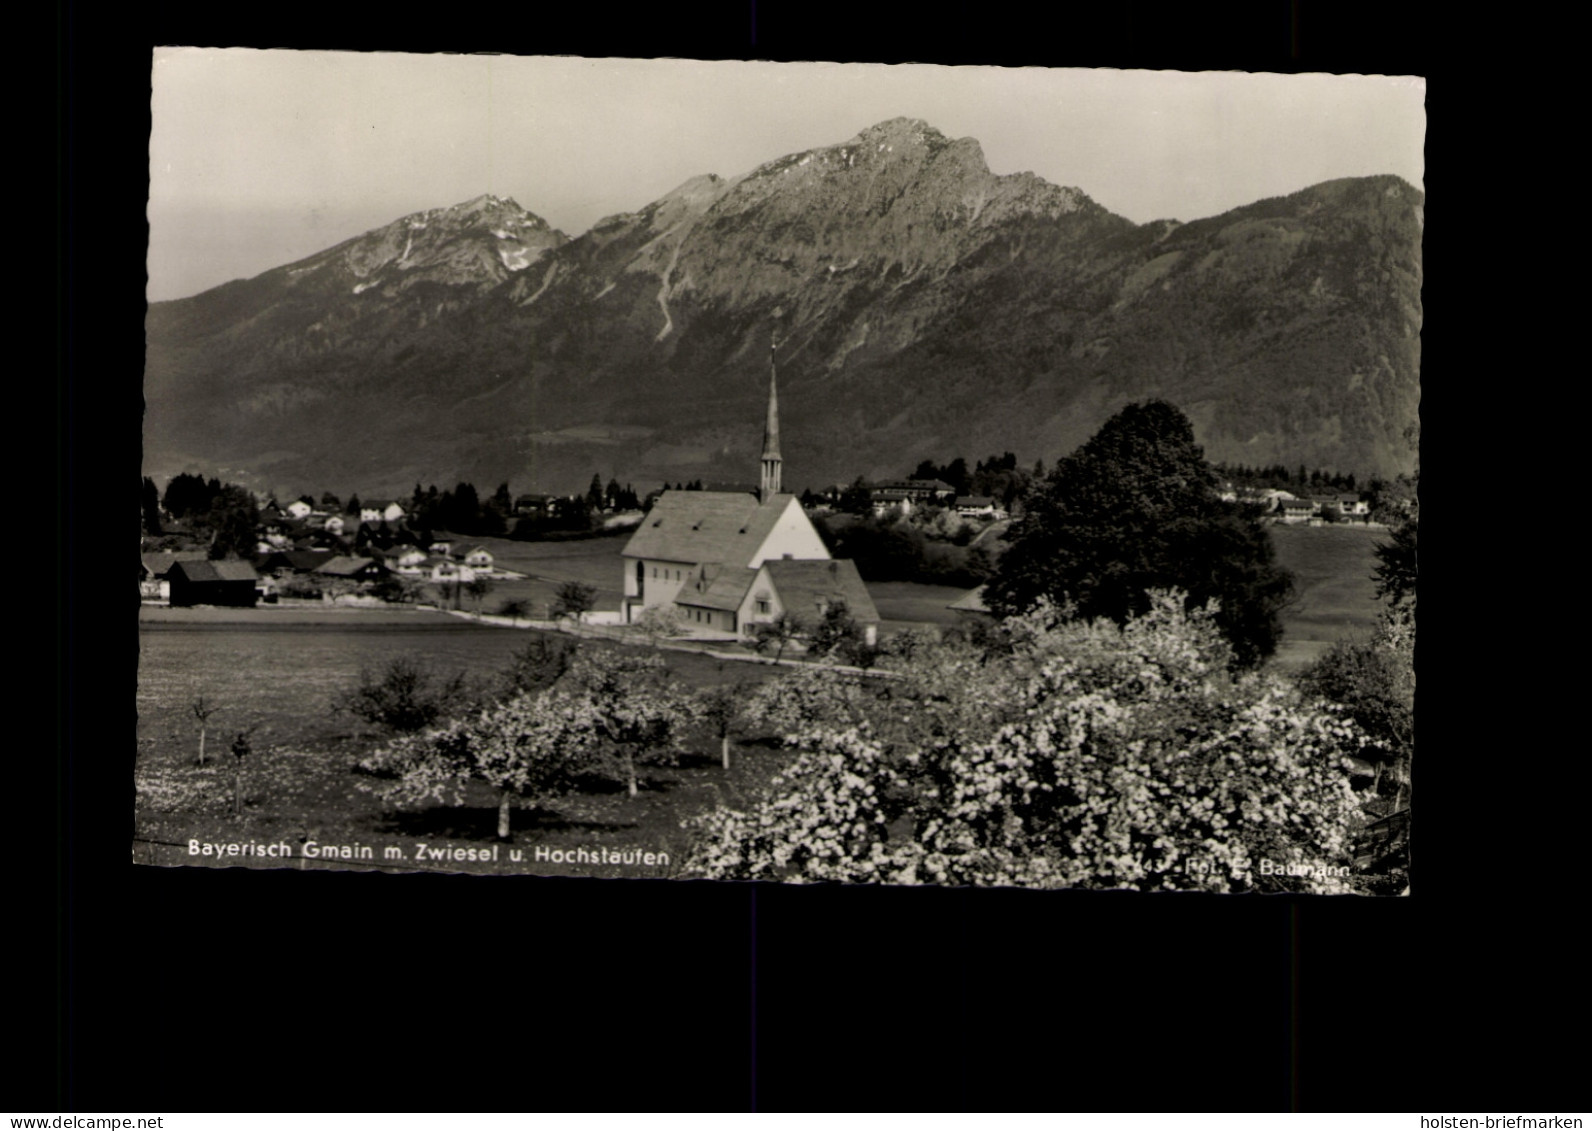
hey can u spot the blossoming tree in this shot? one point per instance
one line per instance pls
(529, 748)
(635, 711)
(1088, 755)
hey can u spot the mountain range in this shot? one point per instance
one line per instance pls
(918, 306)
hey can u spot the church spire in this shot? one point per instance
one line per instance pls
(771, 460)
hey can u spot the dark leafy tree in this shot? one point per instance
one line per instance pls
(234, 518)
(405, 697)
(1136, 509)
(188, 494)
(954, 475)
(574, 599)
(478, 587)
(149, 504)
(779, 634)
(539, 665)
(516, 609)
(835, 631)
(353, 507)
(1395, 570)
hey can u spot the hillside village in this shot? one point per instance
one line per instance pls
(306, 551)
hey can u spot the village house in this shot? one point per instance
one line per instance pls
(300, 510)
(407, 560)
(709, 555)
(1294, 511)
(358, 570)
(286, 563)
(154, 571)
(381, 511)
(1352, 506)
(979, 506)
(479, 558)
(441, 570)
(533, 506)
(213, 583)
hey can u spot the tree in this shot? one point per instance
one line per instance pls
(660, 622)
(202, 709)
(1137, 509)
(1375, 680)
(405, 697)
(573, 599)
(1092, 756)
(478, 587)
(240, 749)
(778, 634)
(594, 493)
(836, 631)
(635, 711)
(234, 517)
(531, 747)
(514, 609)
(149, 505)
(539, 665)
(720, 708)
(1395, 571)
(353, 507)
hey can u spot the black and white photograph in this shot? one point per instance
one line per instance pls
(905, 475)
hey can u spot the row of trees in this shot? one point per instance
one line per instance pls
(1277, 475)
(558, 718)
(222, 517)
(998, 476)
(893, 548)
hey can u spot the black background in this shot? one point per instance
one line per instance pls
(193, 989)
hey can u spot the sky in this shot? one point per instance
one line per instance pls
(260, 158)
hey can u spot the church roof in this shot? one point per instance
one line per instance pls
(713, 585)
(706, 526)
(805, 587)
(970, 602)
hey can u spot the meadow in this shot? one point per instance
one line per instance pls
(1334, 597)
(277, 673)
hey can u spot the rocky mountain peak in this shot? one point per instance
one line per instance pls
(926, 305)
(900, 131)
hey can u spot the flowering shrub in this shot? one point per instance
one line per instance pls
(805, 697)
(1089, 756)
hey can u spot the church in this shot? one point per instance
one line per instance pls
(730, 561)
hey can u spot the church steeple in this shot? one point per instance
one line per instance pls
(771, 459)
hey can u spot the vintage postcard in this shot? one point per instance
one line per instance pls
(780, 472)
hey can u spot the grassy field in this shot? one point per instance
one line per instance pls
(279, 670)
(592, 561)
(906, 604)
(1334, 596)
